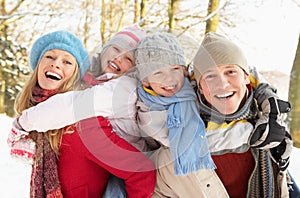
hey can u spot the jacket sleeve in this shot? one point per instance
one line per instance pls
(113, 99)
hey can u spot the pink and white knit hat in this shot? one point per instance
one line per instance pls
(127, 38)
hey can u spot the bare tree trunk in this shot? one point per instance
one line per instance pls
(122, 15)
(136, 11)
(102, 25)
(212, 22)
(294, 98)
(2, 96)
(171, 15)
(142, 11)
(110, 18)
(86, 23)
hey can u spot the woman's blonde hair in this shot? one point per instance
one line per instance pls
(26, 100)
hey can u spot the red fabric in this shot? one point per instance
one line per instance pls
(90, 80)
(93, 152)
(39, 94)
(234, 170)
(44, 175)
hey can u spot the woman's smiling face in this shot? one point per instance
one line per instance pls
(224, 87)
(55, 68)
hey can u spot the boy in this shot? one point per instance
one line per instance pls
(168, 101)
(229, 110)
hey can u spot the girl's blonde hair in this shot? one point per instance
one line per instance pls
(26, 100)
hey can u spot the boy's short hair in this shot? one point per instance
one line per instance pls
(217, 50)
(157, 51)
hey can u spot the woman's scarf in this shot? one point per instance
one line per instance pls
(187, 135)
(44, 177)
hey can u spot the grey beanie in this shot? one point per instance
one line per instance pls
(217, 50)
(156, 51)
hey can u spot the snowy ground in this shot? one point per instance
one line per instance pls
(15, 175)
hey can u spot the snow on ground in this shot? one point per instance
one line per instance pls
(15, 175)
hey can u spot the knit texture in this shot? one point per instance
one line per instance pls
(23, 149)
(234, 170)
(44, 177)
(248, 110)
(157, 51)
(62, 40)
(216, 50)
(187, 135)
(262, 182)
(127, 38)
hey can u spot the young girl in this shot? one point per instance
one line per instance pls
(113, 97)
(90, 150)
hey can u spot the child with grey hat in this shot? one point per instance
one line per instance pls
(229, 109)
(167, 108)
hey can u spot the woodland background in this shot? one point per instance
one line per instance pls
(23, 21)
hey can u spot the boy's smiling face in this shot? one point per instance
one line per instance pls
(166, 81)
(224, 87)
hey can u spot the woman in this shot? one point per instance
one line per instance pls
(91, 150)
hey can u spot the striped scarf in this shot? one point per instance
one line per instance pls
(262, 182)
(44, 177)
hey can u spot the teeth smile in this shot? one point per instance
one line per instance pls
(225, 95)
(53, 76)
(114, 66)
(170, 87)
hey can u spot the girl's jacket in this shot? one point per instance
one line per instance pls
(115, 100)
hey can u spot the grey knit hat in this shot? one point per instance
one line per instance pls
(217, 50)
(156, 51)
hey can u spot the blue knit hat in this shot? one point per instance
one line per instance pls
(62, 40)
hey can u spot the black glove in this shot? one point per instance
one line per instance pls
(270, 129)
(281, 153)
